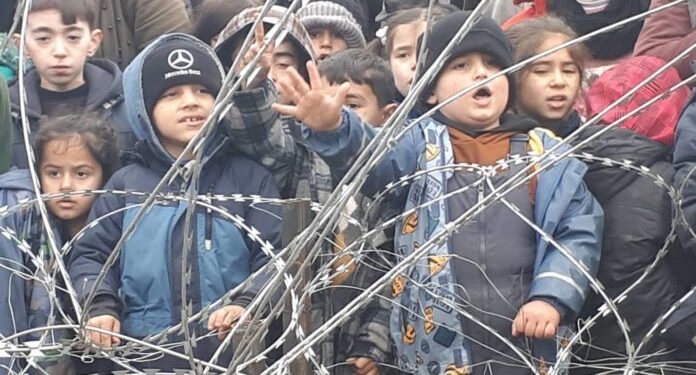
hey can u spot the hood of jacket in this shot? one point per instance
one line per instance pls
(16, 179)
(239, 26)
(150, 148)
(103, 79)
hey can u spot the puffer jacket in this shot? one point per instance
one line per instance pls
(637, 222)
(25, 303)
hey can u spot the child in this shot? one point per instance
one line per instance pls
(60, 37)
(548, 87)
(294, 51)
(547, 90)
(256, 130)
(171, 87)
(331, 27)
(371, 92)
(401, 35)
(496, 268)
(74, 152)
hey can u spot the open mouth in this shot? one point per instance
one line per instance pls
(557, 101)
(482, 93)
(323, 56)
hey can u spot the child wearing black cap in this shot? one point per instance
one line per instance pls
(496, 279)
(171, 87)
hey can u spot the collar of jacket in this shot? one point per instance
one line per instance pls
(102, 77)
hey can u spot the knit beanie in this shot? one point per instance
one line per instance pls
(178, 62)
(485, 36)
(322, 14)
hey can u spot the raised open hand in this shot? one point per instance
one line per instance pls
(313, 104)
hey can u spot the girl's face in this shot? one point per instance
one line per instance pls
(402, 56)
(547, 88)
(68, 165)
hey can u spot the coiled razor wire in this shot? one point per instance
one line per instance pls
(309, 248)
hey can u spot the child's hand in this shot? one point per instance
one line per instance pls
(103, 340)
(314, 106)
(363, 366)
(264, 64)
(223, 319)
(536, 319)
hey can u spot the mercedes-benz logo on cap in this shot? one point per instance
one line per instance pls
(180, 59)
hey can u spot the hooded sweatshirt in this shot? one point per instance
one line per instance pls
(104, 95)
(238, 28)
(144, 289)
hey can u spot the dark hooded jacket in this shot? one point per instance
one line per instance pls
(681, 326)
(637, 222)
(143, 289)
(104, 95)
(638, 219)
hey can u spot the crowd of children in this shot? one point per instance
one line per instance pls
(115, 92)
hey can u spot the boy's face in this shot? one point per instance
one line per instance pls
(402, 57)
(549, 86)
(59, 51)
(363, 101)
(67, 165)
(326, 42)
(284, 57)
(479, 109)
(179, 113)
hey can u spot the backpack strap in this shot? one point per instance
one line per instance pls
(519, 144)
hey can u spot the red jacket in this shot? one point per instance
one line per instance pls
(666, 34)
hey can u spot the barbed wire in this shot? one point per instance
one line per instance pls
(312, 253)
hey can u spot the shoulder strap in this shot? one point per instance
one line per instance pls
(518, 144)
(692, 13)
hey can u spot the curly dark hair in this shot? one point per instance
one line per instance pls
(97, 134)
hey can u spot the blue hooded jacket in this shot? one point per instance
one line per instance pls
(563, 206)
(14, 296)
(24, 303)
(143, 288)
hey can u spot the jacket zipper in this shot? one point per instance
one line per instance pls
(208, 225)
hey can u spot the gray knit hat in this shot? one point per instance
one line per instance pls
(335, 17)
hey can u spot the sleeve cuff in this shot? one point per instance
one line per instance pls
(327, 142)
(105, 305)
(563, 311)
